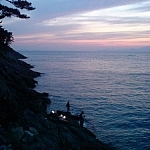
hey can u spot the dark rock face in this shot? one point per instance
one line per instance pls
(24, 124)
(17, 81)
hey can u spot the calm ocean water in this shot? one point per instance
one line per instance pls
(112, 88)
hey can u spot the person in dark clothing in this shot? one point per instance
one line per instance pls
(68, 106)
(81, 119)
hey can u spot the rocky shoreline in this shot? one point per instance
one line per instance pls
(24, 124)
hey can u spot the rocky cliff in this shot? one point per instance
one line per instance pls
(24, 124)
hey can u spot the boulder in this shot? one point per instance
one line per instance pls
(17, 134)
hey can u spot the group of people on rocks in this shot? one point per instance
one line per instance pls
(81, 118)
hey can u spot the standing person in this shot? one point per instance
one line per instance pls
(81, 119)
(68, 106)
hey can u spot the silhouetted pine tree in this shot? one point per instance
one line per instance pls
(5, 11)
(6, 37)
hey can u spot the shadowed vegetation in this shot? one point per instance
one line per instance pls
(6, 37)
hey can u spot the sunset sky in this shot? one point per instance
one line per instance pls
(82, 25)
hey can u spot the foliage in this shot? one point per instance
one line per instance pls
(5, 36)
(6, 11)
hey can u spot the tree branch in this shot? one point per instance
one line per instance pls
(21, 4)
